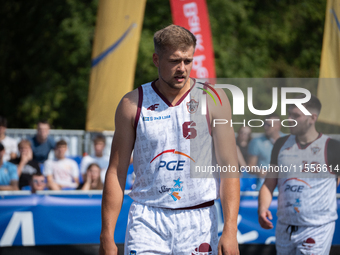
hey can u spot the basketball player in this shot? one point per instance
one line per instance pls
(172, 213)
(307, 207)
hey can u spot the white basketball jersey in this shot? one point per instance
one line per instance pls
(306, 201)
(164, 150)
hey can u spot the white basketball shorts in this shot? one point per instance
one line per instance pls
(153, 230)
(315, 240)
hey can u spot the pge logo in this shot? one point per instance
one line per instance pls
(172, 165)
(294, 188)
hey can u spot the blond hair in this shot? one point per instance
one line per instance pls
(173, 37)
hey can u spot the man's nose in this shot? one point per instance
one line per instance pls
(181, 66)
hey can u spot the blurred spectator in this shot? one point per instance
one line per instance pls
(10, 144)
(259, 150)
(25, 164)
(92, 178)
(62, 172)
(103, 161)
(41, 143)
(38, 182)
(242, 141)
(8, 173)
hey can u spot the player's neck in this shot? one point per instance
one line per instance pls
(2, 136)
(172, 94)
(310, 136)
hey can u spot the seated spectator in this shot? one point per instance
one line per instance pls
(37, 182)
(243, 139)
(92, 178)
(25, 164)
(62, 172)
(98, 157)
(10, 144)
(42, 143)
(8, 173)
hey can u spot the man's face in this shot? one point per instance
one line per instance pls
(174, 66)
(24, 149)
(60, 151)
(272, 126)
(99, 147)
(304, 122)
(38, 182)
(43, 131)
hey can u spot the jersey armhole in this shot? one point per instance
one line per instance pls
(276, 149)
(139, 106)
(207, 109)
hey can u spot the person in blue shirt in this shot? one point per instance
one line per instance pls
(42, 143)
(8, 173)
(260, 148)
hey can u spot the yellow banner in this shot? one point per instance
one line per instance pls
(114, 56)
(329, 89)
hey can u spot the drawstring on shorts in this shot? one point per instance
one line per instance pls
(292, 230)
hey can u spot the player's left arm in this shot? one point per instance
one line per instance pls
(226, 155)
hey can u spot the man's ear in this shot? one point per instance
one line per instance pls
(314, 117)
(155, 59)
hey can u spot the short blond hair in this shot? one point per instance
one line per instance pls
(173, 37)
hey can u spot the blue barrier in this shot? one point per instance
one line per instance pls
(76, 219)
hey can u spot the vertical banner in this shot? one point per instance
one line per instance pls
(329, 89)
(193, 15)
(114, 56)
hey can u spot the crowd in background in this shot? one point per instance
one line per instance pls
(26, 165)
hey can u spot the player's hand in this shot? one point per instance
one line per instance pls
(264, 219)
(108, 247)
(228, 244)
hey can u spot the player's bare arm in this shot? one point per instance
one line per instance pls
(226, 154)
(113, 193)
(265, 198)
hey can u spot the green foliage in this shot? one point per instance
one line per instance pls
(45, 49)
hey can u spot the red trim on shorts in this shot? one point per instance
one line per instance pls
(206, 204)
(139, 107)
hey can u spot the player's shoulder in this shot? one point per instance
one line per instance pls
(282, 139)
(333, 144)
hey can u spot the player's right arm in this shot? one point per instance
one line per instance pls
(113, 193)
(265, 198)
